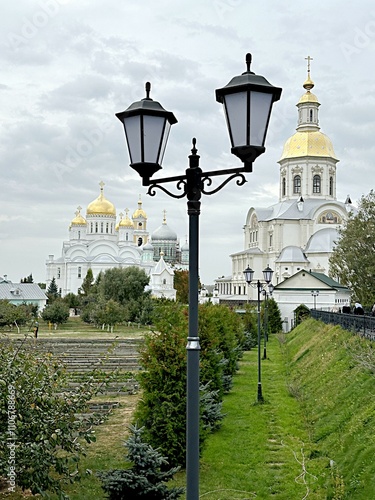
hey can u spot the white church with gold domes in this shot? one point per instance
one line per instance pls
(100, 242)
(298, 232)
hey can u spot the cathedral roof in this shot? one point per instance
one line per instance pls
(288, 209)
(164, 232)
(126, 222)
(322, 241)
(139, 211)
(78, 220)
(162, 266)
(101, 206)
(292, 254)
(308, 143)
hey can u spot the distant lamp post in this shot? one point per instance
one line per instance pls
(265, 323)
(247, 101)
(315, 294)
(267, 277)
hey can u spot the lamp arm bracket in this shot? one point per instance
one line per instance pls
(206, 179)
(181, 184)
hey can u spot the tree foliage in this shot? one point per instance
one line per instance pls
(52, 291)
(117, 296)
(181, 285)
(28, 279)
(147, 476)
(274, 320)
(39, 415)
(123, 284)
(87, 283)
(10, 314)
(353, 259)
(162, 409)
(57, 312)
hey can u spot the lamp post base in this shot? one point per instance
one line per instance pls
(260, 395)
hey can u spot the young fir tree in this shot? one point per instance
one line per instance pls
(146, 477)
(52, 291)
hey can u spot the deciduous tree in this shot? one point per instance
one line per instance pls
(353, 259)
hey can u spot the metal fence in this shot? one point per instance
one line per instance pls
(362, 325)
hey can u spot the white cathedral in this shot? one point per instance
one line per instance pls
(100, 242)
(298, 232)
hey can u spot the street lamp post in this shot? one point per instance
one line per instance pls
(247, 101)
(315, 293)
(265, 323)
(259, 285)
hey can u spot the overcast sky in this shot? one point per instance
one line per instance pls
(67, 66)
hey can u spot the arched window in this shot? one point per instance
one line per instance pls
(92, 227)
(140, 242)
(79, 235)
(316, 184)
(79, 272)
(96, 227)
(297, 184)
(284, 186)
(311, 115)
(102, 227)
(107, 227)
(331, 185)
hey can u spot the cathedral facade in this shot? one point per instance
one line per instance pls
(298, 232)
(101, 241)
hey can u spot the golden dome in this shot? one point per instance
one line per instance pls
(126, 222)
(78, 220)
(101, 206)
(139, 212)
(308, 143)
(308, 97)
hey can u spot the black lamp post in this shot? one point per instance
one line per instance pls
(265, 323)
(247, 100)
(267, 276)
(315, 293)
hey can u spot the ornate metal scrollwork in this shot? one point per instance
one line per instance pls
(208, 180)
(181, 184)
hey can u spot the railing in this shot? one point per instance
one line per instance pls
(362, 325)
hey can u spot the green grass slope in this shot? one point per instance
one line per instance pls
(329, 373)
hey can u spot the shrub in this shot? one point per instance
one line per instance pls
(145, 478)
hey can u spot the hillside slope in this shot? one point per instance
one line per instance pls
(330, 372)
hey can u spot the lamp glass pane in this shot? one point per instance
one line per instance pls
(260, 107)
(153, 127)
(164, 141)
(236, 113)
(133, 138)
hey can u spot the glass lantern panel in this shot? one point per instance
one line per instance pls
(260, 108)
(167, 128)
(153, 128)
(133, 138)
(236, 115)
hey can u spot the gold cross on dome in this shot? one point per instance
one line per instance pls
(79, 209)
(308, 59)
(164, 216)
(101, 184)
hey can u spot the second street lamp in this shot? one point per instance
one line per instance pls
(247, 101)
(267, 276)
